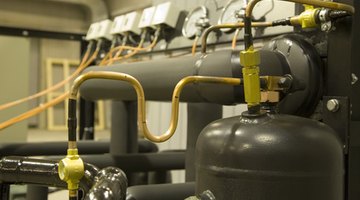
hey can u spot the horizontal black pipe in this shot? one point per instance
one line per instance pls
(159, 77)
(20, 170)
(137, 162)
(110, 184)
(179, 191)
(59, 148)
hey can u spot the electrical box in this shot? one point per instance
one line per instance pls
(166, 13)
(146, 18)
(131, 23)
(117, 25)
(104, 29)
(92, 32)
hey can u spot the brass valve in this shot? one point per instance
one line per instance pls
(71, 169)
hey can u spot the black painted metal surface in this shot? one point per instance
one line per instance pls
(272, 157)
(137, 162)
(110, 184)
(305, 67)
(59, 148)
(199, 116)
(20, 170)
(178, 191)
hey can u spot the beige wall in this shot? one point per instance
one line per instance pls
(41, 50)
(44, 15)
(14, 76)
(117, 7)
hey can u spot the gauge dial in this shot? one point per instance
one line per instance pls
(263, 8)
(190, 29)
(230, 12)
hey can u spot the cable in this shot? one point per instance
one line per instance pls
(109, 55)
(137, 49)
(50, 103)
(81, 67)
(34, 111)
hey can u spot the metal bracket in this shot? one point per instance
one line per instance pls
(336, 114)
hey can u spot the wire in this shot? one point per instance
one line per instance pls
(81, 67)
(135, 50)
(109, 55)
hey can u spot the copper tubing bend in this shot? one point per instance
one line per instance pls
(141, 97)
(220, 26)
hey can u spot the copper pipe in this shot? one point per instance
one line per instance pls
(220, 26)
(233, 43)
(326, 4)
(193, 49)
(141, 97)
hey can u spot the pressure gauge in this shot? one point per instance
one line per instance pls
(232, 13)
(263, 8)
(195, 20)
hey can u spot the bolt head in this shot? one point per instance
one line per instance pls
(333, 105)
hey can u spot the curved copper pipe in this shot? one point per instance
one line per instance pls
(141, 97)
(220, 26)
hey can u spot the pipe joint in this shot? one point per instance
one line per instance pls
(250, 57)
(71, 169)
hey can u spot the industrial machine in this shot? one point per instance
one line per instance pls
(296, 71)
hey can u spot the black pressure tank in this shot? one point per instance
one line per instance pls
(269, 157)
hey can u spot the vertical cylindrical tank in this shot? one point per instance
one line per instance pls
(269, 157)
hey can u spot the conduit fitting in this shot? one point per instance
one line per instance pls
(308, 18)
(250, 59)
(71, 170)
